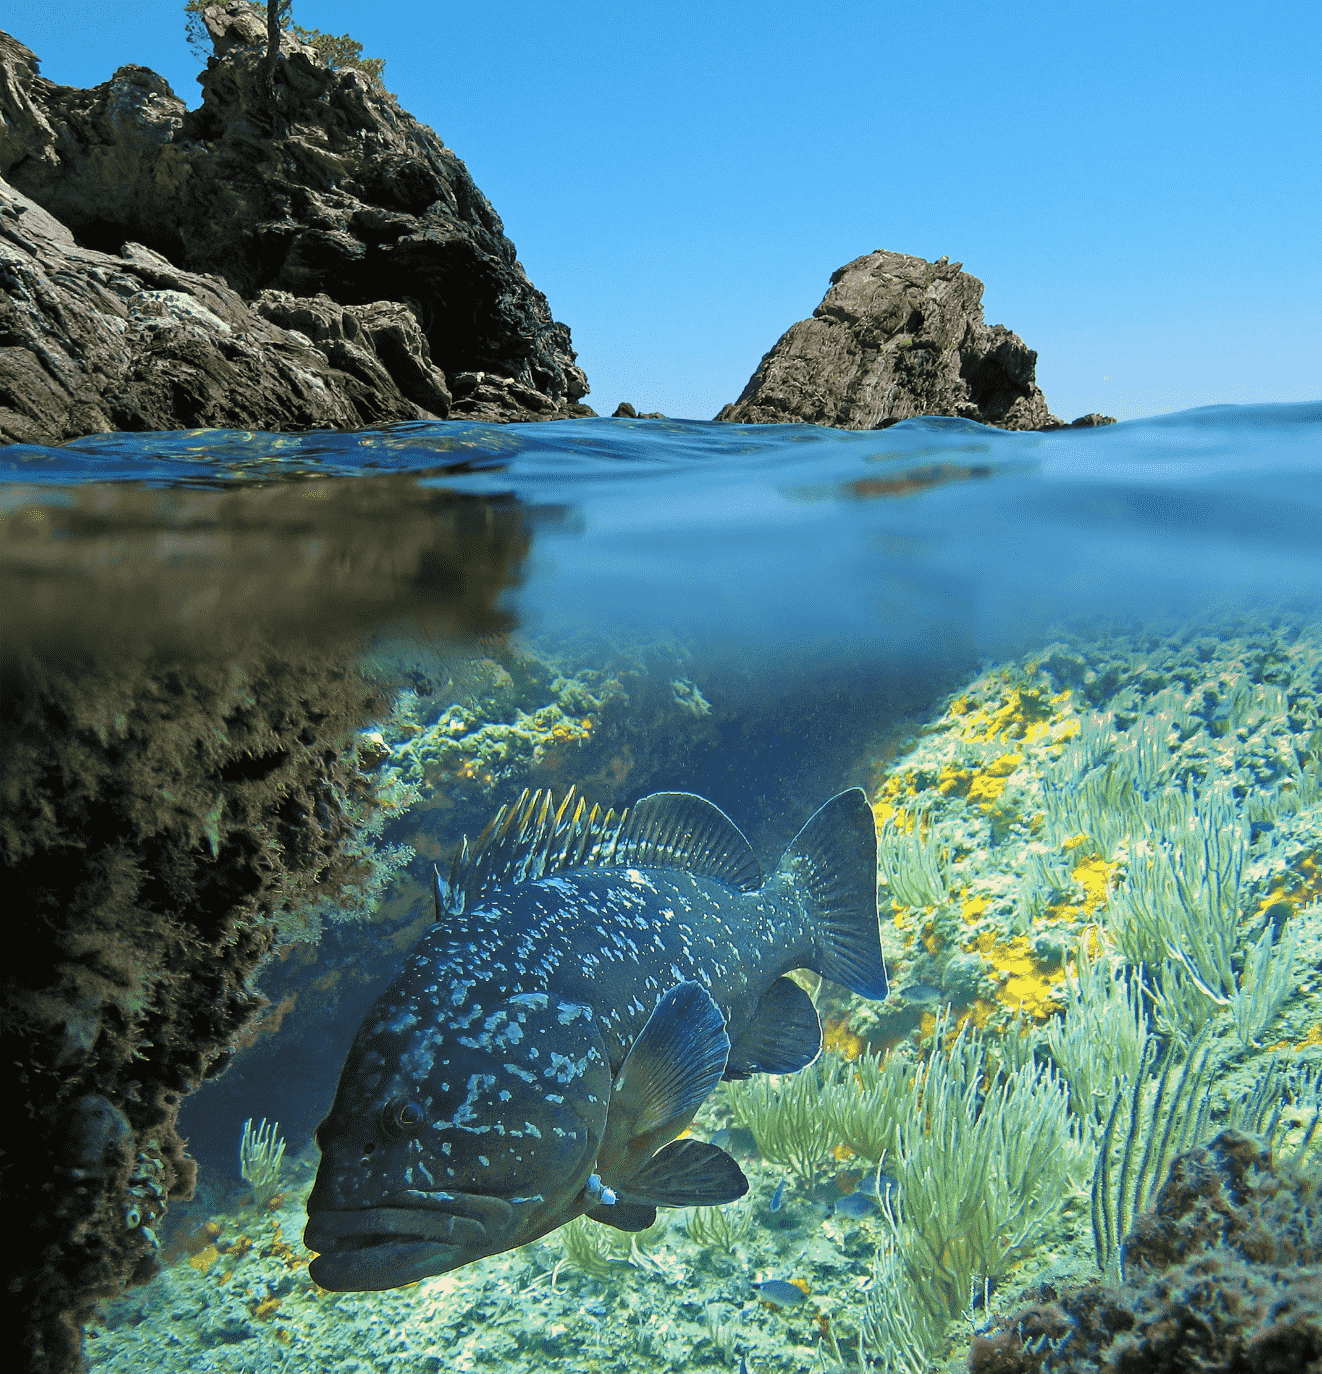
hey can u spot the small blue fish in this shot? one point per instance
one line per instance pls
(781, 1292)
(721, 1139)
(876, 1183)
(854, 1205)
(778, 1197)
(923, 993)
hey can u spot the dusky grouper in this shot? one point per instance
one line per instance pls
(589, 980)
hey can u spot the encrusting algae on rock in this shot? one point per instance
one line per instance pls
(1020, 883)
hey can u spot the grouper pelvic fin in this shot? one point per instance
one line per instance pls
(624, 1216)
(783, 1036)
(534, 837)
(833, 862)
(672, 1067)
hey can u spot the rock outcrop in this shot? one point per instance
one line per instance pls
(307, 257)
(1224, 1273)
(897, 336)
(97, 341)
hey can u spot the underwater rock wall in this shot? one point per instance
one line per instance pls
(181, 780)
(159, 815)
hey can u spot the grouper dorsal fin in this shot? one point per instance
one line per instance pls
(683, 830)
(535, 837)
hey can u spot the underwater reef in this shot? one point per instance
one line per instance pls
(1224, 1273)
(1101, 890)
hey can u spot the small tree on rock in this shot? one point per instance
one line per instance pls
(337, 51)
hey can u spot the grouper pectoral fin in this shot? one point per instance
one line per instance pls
(832, 861)
(672, 1067)
(783, 1036)
(687, 1173)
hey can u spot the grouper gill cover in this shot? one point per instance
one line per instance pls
(589, 980)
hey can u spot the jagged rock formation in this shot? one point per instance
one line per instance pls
(897, 336)
(316, 258)
(97, 341)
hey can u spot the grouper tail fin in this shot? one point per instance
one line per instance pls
(833, 863)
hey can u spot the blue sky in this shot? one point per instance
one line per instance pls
(1136, 184)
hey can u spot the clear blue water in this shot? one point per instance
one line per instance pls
(780, 535)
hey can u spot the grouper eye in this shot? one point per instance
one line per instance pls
(401, 1117)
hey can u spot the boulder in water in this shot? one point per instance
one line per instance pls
(895, 337)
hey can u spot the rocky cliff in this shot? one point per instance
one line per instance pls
(897, 336)
(302, 255)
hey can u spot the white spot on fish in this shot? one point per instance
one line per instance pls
(564, 1070)
(477, 1084)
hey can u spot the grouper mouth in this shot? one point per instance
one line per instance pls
(372, 1248)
